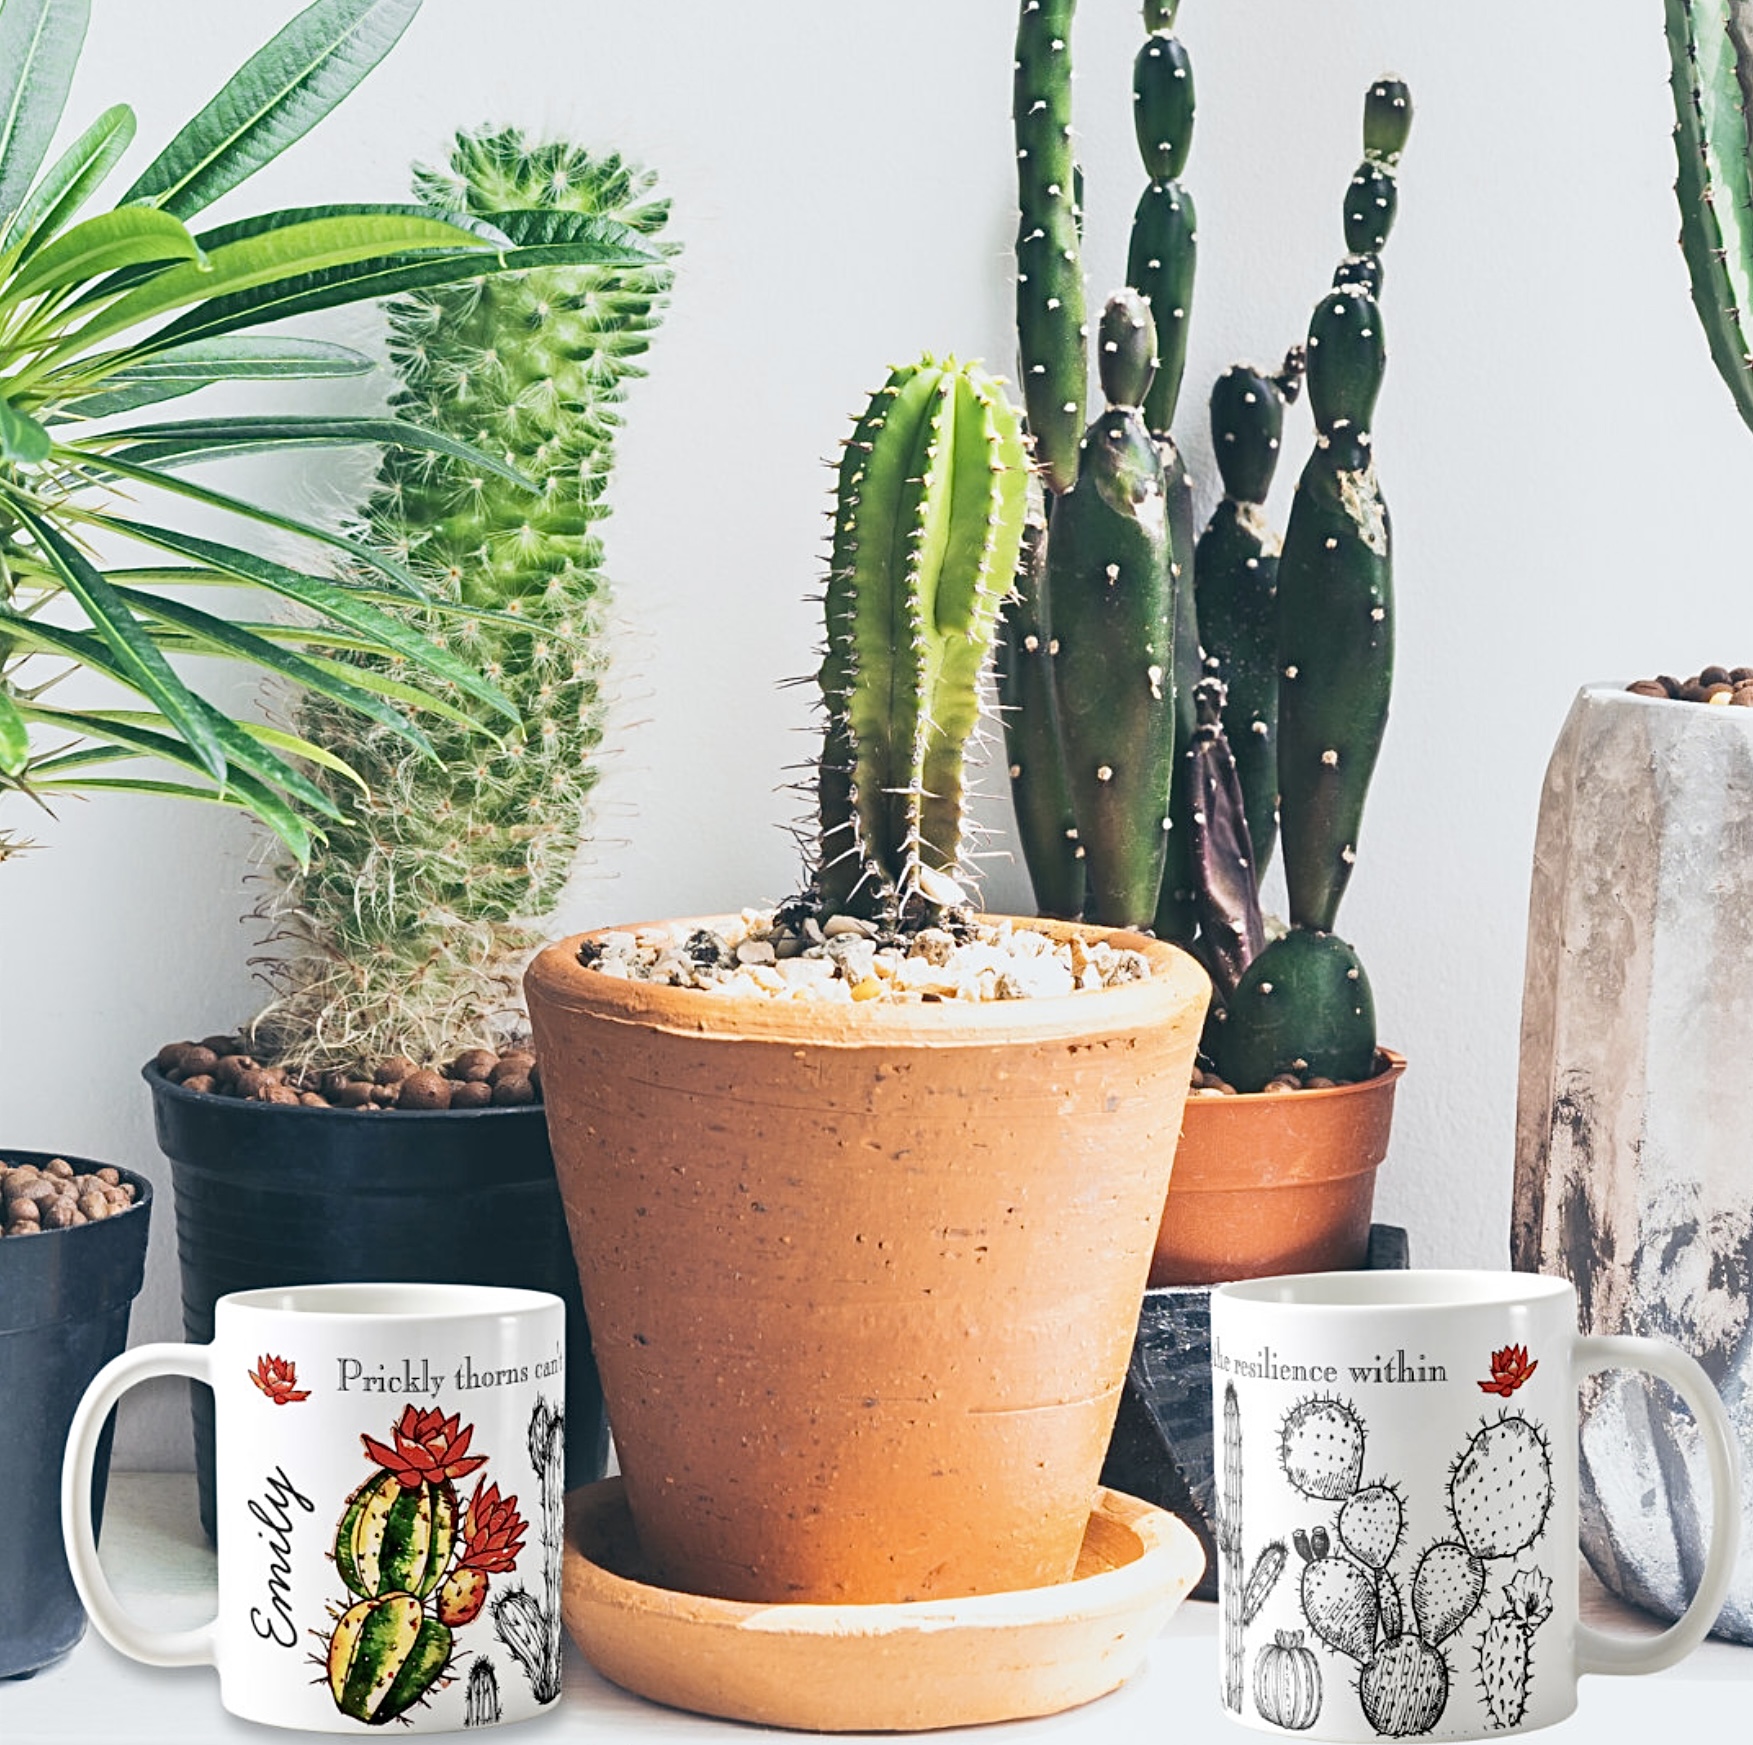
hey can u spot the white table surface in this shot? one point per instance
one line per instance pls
(163, 1570)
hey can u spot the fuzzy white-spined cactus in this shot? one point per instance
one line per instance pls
(408, 933)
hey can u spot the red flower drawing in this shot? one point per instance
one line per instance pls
(428, 1447)
(493, 1531)
(1509, 1369)
(277, 1377)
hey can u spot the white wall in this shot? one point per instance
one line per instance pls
(1564, 468)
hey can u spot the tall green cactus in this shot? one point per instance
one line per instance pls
(408, 932)
(1074, 702)
(1304, 1003)
(1710, 52)
(928, 526)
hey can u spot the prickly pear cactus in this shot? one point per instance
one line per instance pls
(1321, 1448)
(1339, 1601)
(1500, 1492)
(408, 933)
(1404, 1687)
(1506, 1648)
(1446, 1587)
(1370, 1524)
(928, 526)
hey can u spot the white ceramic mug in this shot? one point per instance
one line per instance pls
(1396, 1503)
(389, 1461)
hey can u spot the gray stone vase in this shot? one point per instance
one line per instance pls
(1634, 1118)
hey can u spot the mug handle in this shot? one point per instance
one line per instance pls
(155, 1647)
(1599, 1651)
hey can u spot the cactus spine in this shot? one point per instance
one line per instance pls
(1304, 1004)
(1092, 657)
(1710, 53)
(407, 934)
(927, 529)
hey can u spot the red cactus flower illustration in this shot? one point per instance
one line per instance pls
(277, 1377)
(1509, 1369)
(493, 1531)
(429, 1448)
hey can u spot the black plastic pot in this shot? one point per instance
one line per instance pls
(274, 1194)
(64, 1302)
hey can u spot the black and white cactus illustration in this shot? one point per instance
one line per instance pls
(1243, 1596)
(530, 1627)
(1498, 1498)
(481, 1696)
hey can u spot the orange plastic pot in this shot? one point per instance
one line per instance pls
(862, 1280)
(1278, 1183)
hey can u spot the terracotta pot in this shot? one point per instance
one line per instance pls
(862, 1280)
(1277, 1183)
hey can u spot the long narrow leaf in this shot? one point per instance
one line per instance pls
(342, 605)
(71, 180)
(192, 367)
(130, 236)
(40, 42)
(210, 635)
(76, 455)
(239, 267)
(149, 672)
(595, 242)
(22, 439)
(260, 799)
(196, 439)
(14, 738)
(275, 97)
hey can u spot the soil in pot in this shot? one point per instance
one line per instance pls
(864, 1276)
(68, 1279)
(268, 1194)
(1275, 1181)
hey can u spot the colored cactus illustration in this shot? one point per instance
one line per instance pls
(530, 1628)
(1509, 1369)
(418, 1564)
(277, 1377)
(1242, 1598)
(1499, 1497)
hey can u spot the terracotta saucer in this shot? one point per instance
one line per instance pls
(883, 1668)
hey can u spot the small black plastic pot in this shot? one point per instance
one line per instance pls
(64, 1302)
(276, 1194)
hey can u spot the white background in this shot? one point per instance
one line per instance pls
(1567, 475)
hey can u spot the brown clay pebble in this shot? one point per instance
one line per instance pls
(473, 1066)
(313, 1099)
(278, 1093)
(354, 1094)
(222, 1045)
(231, 1066)
(1647, 688)
(41, 1189)
(1714, 675)
(1284, 1082)
(59, 1214)
(93, 1204)
(24, 1229)
(513, 1093)
(256, 1083)
(387, 1096)
(169, 1058)
(120, 1198)
(1317, 1083)
(331, 1082)
(424, 1089)
(515, 1063)
(61, 1168)
(394, 1069)
(23, 1212)
(471, 1094)
(203, 1082)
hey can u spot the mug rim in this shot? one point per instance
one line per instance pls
(1429, 1290)
(388, 1300)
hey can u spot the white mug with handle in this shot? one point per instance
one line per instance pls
(389, 1461)
(1396, 1509)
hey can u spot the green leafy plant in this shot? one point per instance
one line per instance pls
(1145, 795)
(408, 931)
(103, 316)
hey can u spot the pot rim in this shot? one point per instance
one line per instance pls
(85, 1166)
(162, 1086)
(1615, 691)
(1390, 1065)
(557, 977)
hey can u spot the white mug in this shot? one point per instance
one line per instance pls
(389, 1460)
(1396, 1503)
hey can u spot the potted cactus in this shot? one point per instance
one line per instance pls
(1172, 705)
(1630, 1154)
(105, 316)
(381, 1117)
(841, 1178)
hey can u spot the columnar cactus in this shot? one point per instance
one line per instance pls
(1710, 52)
(408, 932)
(1243, 1595)
(927, 529)
(1304, 1003)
